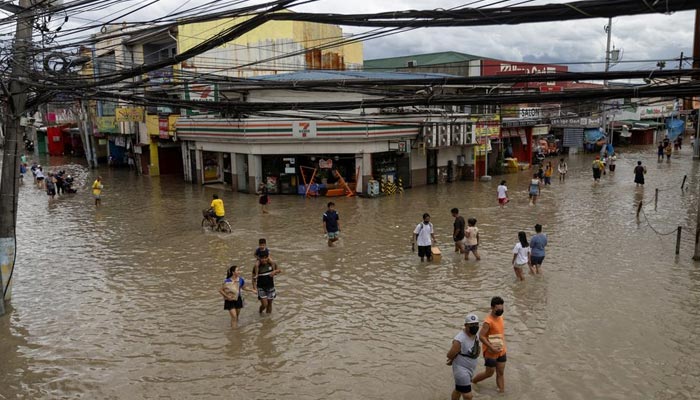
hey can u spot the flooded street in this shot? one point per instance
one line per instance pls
(121, 302)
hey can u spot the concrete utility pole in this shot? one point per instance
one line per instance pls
(9, 183)
(696, 148)
(604, 114)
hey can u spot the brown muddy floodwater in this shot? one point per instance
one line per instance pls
(122, 302)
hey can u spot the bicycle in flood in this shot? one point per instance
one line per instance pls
(210, 222)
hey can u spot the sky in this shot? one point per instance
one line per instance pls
(579, 44)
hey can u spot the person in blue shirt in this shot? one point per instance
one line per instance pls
(537, 245)
(231, 292)
(331, 224)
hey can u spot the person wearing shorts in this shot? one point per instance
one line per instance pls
(97, 191)
(521, 256)
(264, 282)
(424, 236)
(563, 169)
(492, 336)
(462, 357)
(537, 245)
(331, 224)
(472, 239)
(502, 191)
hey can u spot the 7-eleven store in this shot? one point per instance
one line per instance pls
(284, 152)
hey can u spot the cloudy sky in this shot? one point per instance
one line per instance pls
(580, 44)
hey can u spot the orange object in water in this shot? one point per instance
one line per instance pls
(335, 192)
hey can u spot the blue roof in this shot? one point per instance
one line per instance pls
(328, 75)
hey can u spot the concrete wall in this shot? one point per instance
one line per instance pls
(419, 170)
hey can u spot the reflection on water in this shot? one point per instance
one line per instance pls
(121, 302)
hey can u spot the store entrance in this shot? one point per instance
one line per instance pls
(432, 165)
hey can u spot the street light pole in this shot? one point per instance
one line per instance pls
(604, 122)
(9, 180)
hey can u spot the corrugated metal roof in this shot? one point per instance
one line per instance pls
(324, 75)
(419, 60)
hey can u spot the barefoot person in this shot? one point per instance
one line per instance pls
(492, 336)
(231, 292)
(264, 282)
(462, 357)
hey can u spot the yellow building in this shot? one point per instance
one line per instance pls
(274, 47)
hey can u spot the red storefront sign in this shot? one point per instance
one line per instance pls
(491, 67)
(551, 88)
(163, 128)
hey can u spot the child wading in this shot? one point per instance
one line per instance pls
(472, 238)
(502, 190)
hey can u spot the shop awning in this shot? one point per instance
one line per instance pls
(635, 123)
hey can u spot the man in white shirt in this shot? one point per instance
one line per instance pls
(424, 236)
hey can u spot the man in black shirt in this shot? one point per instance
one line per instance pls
(458, 234)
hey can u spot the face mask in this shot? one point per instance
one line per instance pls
(498, 313)
(473, 330)
(426, 222)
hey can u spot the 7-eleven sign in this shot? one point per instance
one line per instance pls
(304, 129)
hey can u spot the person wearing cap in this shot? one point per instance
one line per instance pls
(598, 168)
(462, 357)
(492, 335)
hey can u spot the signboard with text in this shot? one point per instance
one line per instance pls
(129, 114)
(107, 125)
(491, 67)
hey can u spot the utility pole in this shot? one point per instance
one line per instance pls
(696, 148)
(696, 64)
(604, 113)
(9, 183)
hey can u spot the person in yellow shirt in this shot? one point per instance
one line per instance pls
(548, 171)
(97, 190)
(598, 168)
(216, 209)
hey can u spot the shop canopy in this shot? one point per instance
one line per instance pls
(675, 127)
(593, 135)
